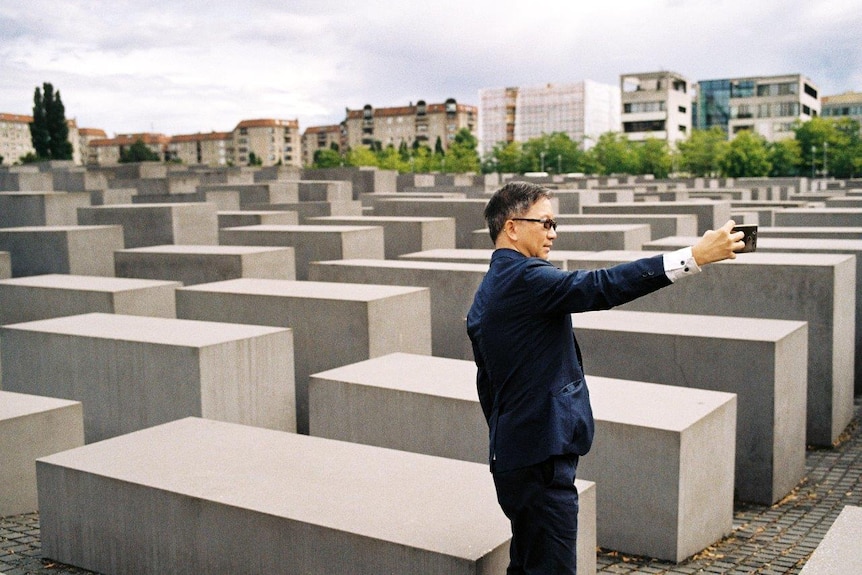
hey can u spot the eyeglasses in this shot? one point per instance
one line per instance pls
(547, 223)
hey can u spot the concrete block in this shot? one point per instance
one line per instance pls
(818, 233)
(112, 196)
(239, 218)
(839, 553)
(157, 224)
(710, 214)
(199, 496)
(22, 180)
(272, 192)
(22, 209)
(402, 235)
(307, 210)
(364, 179)
(762, 361)
(5, 265)
(661, 225)
(205, 264)
(132, 372)
(32, 427)
(813, 247)
(333, 324)
(809, 217)
(468, 213)
(78, 250)
(559, 258)
(311, 243)
(78, 180)
(663, 461)
(54, 295)
(452, 288)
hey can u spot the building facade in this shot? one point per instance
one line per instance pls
(108, 151)
(767, 105)
(656, 105)
(15, 139)
(210, 149)
(273, 142)
(846, 105)
(85, 136)
(583, 111)
(321, 138)
(421, 124)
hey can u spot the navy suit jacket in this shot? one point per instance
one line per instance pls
(530, 377)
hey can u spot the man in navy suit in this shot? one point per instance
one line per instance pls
(530, 377)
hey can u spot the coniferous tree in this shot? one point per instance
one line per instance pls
(49, 132)
(39, 128)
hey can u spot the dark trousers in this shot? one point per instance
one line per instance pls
(541, 503)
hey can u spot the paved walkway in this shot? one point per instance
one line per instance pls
(765, 540)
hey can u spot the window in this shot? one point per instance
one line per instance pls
(742, 89)
(641, 107)
(806, 110)
(741, 111)
(649, 126)
(682, 109)
(810, 91)
(682, 129)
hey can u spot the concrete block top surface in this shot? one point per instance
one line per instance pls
(772, 243)
(429, 375)
(304, 289)
(14, 405)
(377, 219)
(688, 325)
(58, 229)
(409, 265)
(379, 493)
(204, 249)
(155, 330)
(755, 258)
(839, 553)
(86, 283)
(652, 405)
(301, 228)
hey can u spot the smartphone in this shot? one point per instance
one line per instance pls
(749, 237)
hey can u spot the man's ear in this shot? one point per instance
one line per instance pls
(510, 230)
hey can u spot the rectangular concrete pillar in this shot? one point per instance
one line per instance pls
(452, 287)
(78, 250)
(273, 192)
(55, 295)
(193, 223)
(311, 243)
(590, 238)
(192, 265)
(333, 323)
(661, 225)
(818, 289)
(401, 235)
(760, 360)
(32, 427)
(200, 496)
(236, 219)
(132, 372)
(21, 209)
(710, 214)
(839, 552)
(5, 265)
(807, 217)
(467, 213)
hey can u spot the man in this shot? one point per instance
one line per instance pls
(530, 378)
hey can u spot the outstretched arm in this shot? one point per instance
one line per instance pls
(717, 245)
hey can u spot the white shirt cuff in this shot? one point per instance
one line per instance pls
(680, 264)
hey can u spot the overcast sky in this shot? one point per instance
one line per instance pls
(180, 67)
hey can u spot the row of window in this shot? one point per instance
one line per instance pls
(773, 110)
(855, 110)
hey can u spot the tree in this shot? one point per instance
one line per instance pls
(785, 156)
(462, 156)
(326, 158)
(746, 156)
(654, 158)
(138, 152)
(49, 132)
(699, 154)
(613, 154)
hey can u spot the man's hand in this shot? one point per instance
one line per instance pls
(717, 245)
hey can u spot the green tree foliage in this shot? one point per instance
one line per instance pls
(746, 155)
(326, 158)
(785, 157)
(654, 157)
(614, 154)
(462, 156)
(49, 132)
(254, 160)
(138, 152)
(699, 154)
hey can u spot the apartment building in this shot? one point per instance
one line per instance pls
(85, 136)
(273, 142)
(211, 149)
(321, 138)
(768, 105)
(109, 150)
(846, 105)
(656, 105)
(421, 123)
(15, 139)
(583, 110)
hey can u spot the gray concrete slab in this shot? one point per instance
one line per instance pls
(199, 496)
(239, 218)
(799, 232)
(132, 372)
(710, 214)
(401, 235)
(55, 295)
(814, 217)
(112, 196)
(468, 213)
(311, 243)
(363, 179)
(839, 552)
(591, 238)
(333, 324)
(272, 192)
(815, 288)
(760, 360)
(452, 287)
(312, 209)
(5, 265)
(22, 209)
(32, 427)
(559, 258)
(192, 265)
(661, 225)
(79, 250)
(193, 223)
(25, 180)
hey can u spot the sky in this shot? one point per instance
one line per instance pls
(182, 67)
